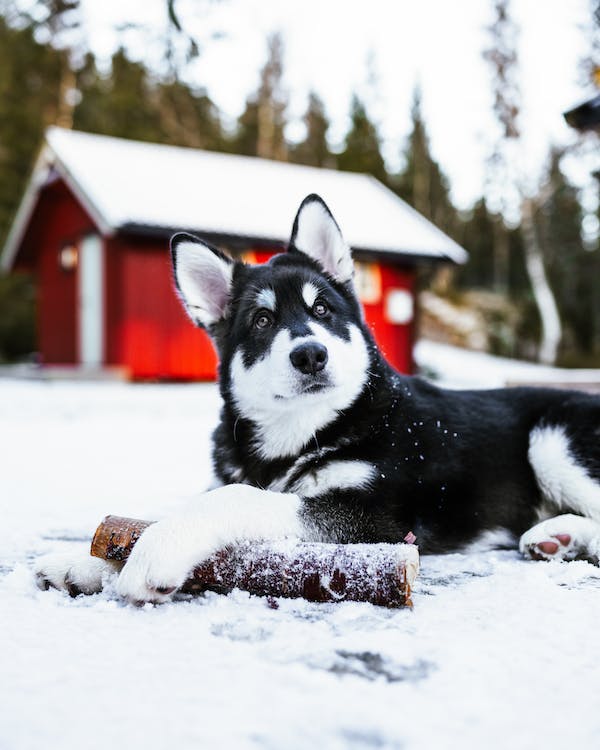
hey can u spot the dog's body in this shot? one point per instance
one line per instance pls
(319, 438)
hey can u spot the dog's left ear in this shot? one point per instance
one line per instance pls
(316, 234)
(203, 276)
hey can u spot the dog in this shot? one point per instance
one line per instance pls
(320, 439)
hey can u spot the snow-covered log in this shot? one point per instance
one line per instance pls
(381, 574)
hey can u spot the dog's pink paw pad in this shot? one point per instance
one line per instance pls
(564, 539)
(547, 548)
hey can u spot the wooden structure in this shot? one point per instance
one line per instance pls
(94, 226)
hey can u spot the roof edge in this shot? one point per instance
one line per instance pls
(25, 210)
(47, 158)
(460, 255)
(96, 215)
(364, 252)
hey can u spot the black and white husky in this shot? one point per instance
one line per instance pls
(320, 439)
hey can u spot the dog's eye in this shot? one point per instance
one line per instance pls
(320, 308)
(263, 319)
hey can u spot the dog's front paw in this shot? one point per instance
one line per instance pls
(169, 550)
(159, 564)
(77, 574)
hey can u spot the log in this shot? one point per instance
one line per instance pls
(381, 574)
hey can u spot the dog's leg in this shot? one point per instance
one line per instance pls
(566, 468)
(562, 538)
(77, 574)
(168, 551)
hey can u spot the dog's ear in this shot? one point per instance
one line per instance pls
(316, 234)
(203, 277)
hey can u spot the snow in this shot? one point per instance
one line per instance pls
(461, 368)
(123, 182)
(498, 652)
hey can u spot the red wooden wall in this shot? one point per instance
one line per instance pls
(395, 341)
(147, 329)
(58, 220)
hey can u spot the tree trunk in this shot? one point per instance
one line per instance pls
(544, 297)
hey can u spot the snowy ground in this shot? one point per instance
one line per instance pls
(498, 652)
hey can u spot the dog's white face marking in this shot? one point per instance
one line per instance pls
(561, 479)
(266, 298)
(270, 394)
(309, 294)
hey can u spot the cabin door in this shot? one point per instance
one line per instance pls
(90, 301)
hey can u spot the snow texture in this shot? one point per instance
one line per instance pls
(166, 186)
(498, 651)
(459, 368)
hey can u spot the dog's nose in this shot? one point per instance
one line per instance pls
(309, 358)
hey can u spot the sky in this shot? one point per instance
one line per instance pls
(381, 49)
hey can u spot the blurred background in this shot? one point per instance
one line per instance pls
(458, 109)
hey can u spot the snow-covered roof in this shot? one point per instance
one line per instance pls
(126, 184)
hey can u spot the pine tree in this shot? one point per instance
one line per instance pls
(362, 145)
(93, 89)
(245, 140)
(314, 149)
(422, 183)
(58, 23)
(17, 316)
(30, 76)
(476, 233)
(188, 118)
(261, 126)
(129, 103)
(126, 109)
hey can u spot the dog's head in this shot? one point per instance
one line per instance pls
(290, 333)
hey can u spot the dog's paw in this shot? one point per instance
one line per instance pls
(564, 537)
(158, 565)
(77, 574)
(168, 551)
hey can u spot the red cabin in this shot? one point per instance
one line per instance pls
(94, 226)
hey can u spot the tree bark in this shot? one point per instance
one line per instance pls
(381, 574)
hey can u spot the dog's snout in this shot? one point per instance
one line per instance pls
(309, 358)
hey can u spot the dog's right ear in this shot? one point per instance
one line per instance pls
(203, 277)
(316, 234)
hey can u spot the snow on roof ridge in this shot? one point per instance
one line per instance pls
(57, 131)
(459, 254)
